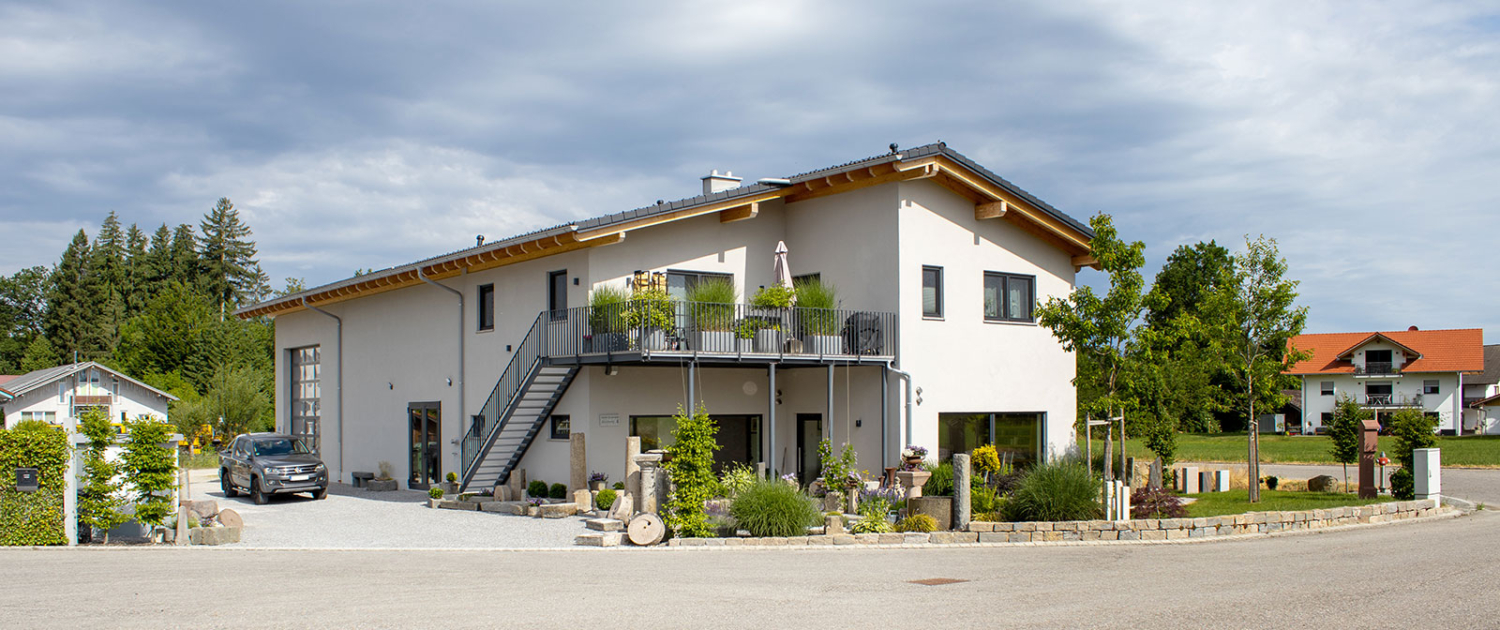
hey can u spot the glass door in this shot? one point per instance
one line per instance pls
(424, 424)
(809, 434)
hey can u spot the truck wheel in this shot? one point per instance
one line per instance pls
(226, 485)
(256, 495)
(320, 494)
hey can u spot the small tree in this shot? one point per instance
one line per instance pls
(1258, 319)
(1343, 433)
(151, 468)
(1412, 430)
(100, 506)
(692, 472)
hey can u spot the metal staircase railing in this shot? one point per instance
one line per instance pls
(486, 425)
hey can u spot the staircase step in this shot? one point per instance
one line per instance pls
(605, 524)
(612, 539)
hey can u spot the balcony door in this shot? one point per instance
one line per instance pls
(1378, 393)
(424, 428)
(809, 434)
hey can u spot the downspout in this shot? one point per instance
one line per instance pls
(461, 399)
(909, 398)
(340, 382)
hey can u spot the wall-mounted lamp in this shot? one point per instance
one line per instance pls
(611, 370)
(450, 382)
(390, 385)
(507, 347)
(859, 422)
(919, 395)
(575, 282)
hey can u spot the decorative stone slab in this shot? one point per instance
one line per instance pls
(559, 510)
(380, 485)
(647, 529)
(502, 507)
(623, 508)
(213, 535)
(607, 539)
(891, 539)
(230, 518)
(449, 504)
(604, 524)
(914, 538)
(584, 500)
(844, 539)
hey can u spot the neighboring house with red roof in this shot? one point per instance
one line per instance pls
(1389, 371)
(1481, 394)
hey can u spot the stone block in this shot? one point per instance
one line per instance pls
(995, 537)
(434, 503)
(1090, 535)
(816, 541)
(891, 539)
(733, 542)
(980, 526)
(1065, 526)
(1109, 535)
(1044, 527)
(1004, 527)
(558, 510)
(1150, 534)
(1026, 527)
(844, 539)
(604, 539)
(201, 508)
(1050, 536)
(914, 538)
(212, 536)
(833, 524)
(940, 538)
(1198, 532)
(867, 539)
(961, 490)
(380, 485)
(1176, 534)
(939, 508)
(1071, 536)
(605, 525)
(799, 541)
(963, 538)
(1323, 483)
(1019, 537)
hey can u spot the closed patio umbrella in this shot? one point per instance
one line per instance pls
(781, 273)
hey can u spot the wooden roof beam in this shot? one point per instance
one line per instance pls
(991, 210)
(739, 213)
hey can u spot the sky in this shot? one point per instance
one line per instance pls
(1362, 136)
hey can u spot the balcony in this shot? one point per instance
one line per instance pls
(1377, 368)
(642, 331)
(1384, 401)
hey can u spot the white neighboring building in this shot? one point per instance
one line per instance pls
(485, 360)
(1389, 371)
(59, 395)
(1481, 395)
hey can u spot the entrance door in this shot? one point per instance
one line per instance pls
(809, 434)
(425, 430)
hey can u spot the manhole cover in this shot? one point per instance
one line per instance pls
(937, 581)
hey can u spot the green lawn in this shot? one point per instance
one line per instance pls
(1471, 450)
(1238, 502)
(206, 459)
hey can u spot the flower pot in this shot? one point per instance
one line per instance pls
(913, 480)
(823, 344)
(597, 486)
(913, 463)
(712, 341)
(449, 487)
(768, 341)
(652, 339)
(607, 342)
(744, 346)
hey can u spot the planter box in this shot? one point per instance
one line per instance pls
(649, 340)
(823, 344)
(768, 341)
(380, 485)
(713, 341)
(607, 342)
(939, 508)
(449, 488)
(744, 346)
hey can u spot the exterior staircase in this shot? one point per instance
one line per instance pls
(517, 410)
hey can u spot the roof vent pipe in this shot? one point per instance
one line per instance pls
(714, 182)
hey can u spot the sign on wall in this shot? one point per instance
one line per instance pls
(609, 419)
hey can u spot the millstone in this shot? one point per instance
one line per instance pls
(647, 529)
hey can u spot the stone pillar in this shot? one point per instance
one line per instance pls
(1154, 481)
(578, 477)
(1369, 433)
(584, 499)
(961, 491)
(651, 483)
(1189, 475)
(517, 484)
(633, 470)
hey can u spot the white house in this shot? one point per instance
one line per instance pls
(1481, 395)
(59, 395)
(1389, 371)
(484, 360)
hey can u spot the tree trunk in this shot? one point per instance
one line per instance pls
(1088, 443)
(1254, 428)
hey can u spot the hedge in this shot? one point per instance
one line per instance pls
(33, 518)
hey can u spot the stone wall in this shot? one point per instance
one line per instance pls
(1102, 531)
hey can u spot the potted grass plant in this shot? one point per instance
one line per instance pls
(818, 319)
(607, 319)
(649, 313)
(771, 304)
(710, 305)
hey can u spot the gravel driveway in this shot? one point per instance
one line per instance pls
(357, 519)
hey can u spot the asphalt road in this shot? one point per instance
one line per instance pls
(1434, 574)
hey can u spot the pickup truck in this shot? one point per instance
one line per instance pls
(266, 464)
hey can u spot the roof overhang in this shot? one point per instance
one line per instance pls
(993, 198)
(1348, 353)
(1492, 401)
(5, 395)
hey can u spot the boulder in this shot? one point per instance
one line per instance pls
(214, 535)
(1323, 483)
(201, 508)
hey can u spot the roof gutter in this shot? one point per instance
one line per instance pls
(462, 399)
(339, 347)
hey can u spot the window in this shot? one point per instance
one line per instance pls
(1017, 436)
(932, 291)
(1008, 297)
(49, 417)
(655, 431)
(680, 282)
(1327, 388)
(557, 293)
(1327, 418)
(486, 307)
(305, 369)
(562, 427)
(1430, 386)
(807, 277)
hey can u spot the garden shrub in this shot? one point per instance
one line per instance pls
(557, 491)
(33, 518)
(605, 499)
(619, 485)
(435, 492)
(537, 488)
(151, 468)
(1412, 431)
(736, 479)
(692, 473)
(774, 508)
(986, 459)
(872, 524)
(1005, 484)
(1156, 503)
(100, 506)
(873, 506)
(917, 523)
(1403, 485)
(452, 477)
(982, 498)
(940, 484)
(997, 516)
(1059, 490)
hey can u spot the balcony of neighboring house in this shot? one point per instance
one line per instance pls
(1377, 368)
(643, 332)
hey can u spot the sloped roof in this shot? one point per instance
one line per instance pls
(579, 234)
(1490, 376)
(1459, 350)
(40, 378)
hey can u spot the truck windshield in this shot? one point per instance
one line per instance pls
(278, 446)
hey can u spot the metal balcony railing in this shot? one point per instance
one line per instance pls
(1377, 367)
(1393, 400)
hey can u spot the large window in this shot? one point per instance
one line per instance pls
(738, 436)
(486, 307)
(557, 293)
(1019, 434)
(306, 407)
(932, 291)
(1008, 297)
(655, 431)
(680, 282)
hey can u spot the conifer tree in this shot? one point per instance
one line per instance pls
(157, 269)
(136, 289)
(72, 303)
(230, 273)
(185, 268)
(39, 356)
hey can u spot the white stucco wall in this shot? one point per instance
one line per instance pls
(1406, 386)
(132, 400)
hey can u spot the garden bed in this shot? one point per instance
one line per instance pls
(1238, 502)
(1472, 451)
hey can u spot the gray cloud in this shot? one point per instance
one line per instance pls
(370, 135)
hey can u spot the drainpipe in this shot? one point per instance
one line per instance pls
(909, 398)
(461, 400)
(340, 383)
